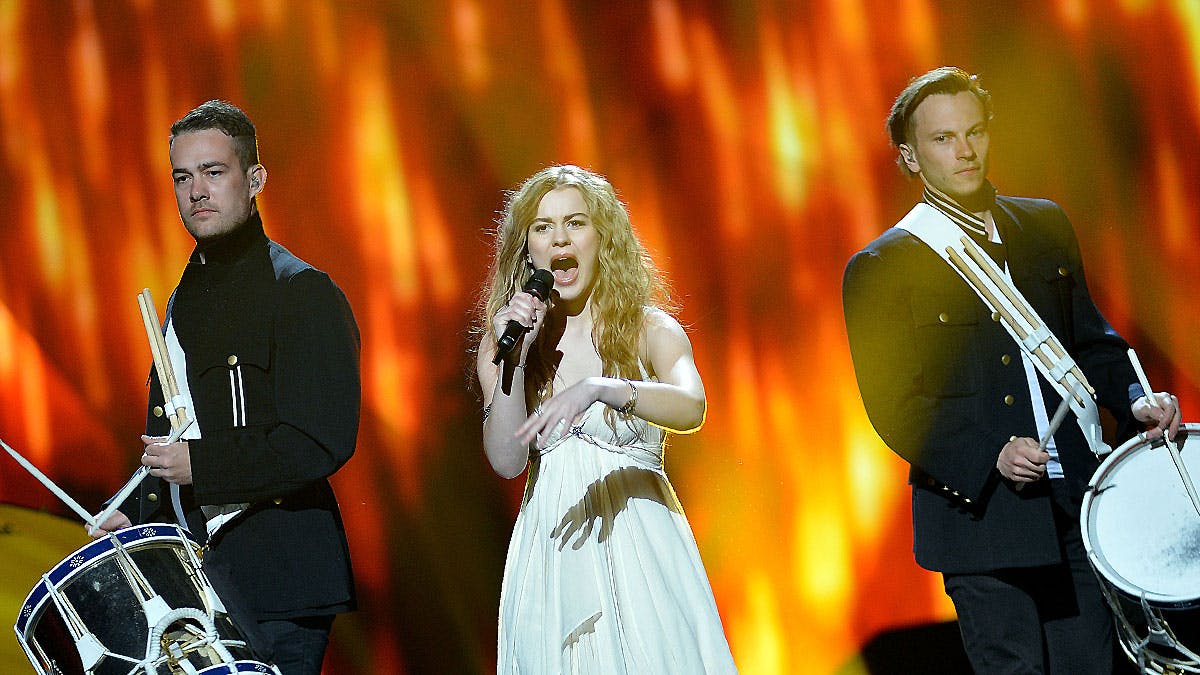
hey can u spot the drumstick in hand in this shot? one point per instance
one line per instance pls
(162, 360)
(1171, 447)
(170, 390)
(1055, 422)
(138, 475)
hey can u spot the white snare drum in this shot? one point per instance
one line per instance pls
(133, 603)
(1142, 537)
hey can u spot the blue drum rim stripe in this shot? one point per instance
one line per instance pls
(237, 667)
(86, 554)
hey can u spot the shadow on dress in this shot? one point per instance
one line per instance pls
(607, 497)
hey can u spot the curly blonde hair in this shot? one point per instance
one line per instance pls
(627, 281)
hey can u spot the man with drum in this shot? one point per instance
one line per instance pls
(969, 322)
(264, 350)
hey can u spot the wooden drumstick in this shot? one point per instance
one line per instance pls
(150, 323)
(162, 359)
(1060, 414)
(160, 342)
(1055, 422)
(992, 300)
(1018, 301)
(170, 390)
(138, 475)
(1000, 283)
(1172, 449)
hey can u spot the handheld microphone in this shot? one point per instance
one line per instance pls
(538, 286)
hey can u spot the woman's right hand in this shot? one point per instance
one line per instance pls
(503, 393)
(526, 310)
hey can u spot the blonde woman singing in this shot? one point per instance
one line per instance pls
(602, 574)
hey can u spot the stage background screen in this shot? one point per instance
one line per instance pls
(747, 139)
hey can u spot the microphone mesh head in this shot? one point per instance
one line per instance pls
(539, 284)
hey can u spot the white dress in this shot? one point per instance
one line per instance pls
(603, 575)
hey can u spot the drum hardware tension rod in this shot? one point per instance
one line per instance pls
(91, 650)
(1172, 449)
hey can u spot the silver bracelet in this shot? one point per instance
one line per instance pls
(627, 409)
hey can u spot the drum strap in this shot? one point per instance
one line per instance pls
(1020, 320)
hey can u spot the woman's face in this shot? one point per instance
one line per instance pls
(564, 240)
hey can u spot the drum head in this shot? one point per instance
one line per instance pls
(1139, 527)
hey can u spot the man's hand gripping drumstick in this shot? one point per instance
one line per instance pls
(1167, 421)
(176, 412)
(133, 483)
(1038, 468)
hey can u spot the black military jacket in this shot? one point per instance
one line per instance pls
(272, 353)
(943, 384)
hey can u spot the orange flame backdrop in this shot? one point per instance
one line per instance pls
(747, 139)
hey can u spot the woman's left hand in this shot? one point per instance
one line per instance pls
(564, 408)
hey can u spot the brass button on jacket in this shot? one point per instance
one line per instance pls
(1008, 400)
(944, 317)
(232, 359)
(152, 497)
(1006, 359)
(158, 411)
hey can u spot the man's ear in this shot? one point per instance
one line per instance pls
(909, 157)
(258, 178)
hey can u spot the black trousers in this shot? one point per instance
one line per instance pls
(1038, 620)
(298, 645)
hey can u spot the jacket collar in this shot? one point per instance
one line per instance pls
(961, 214)
(232, 246)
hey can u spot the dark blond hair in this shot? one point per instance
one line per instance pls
(627, 281)
(944, 80)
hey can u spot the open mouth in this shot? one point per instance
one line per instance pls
(565, 269)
